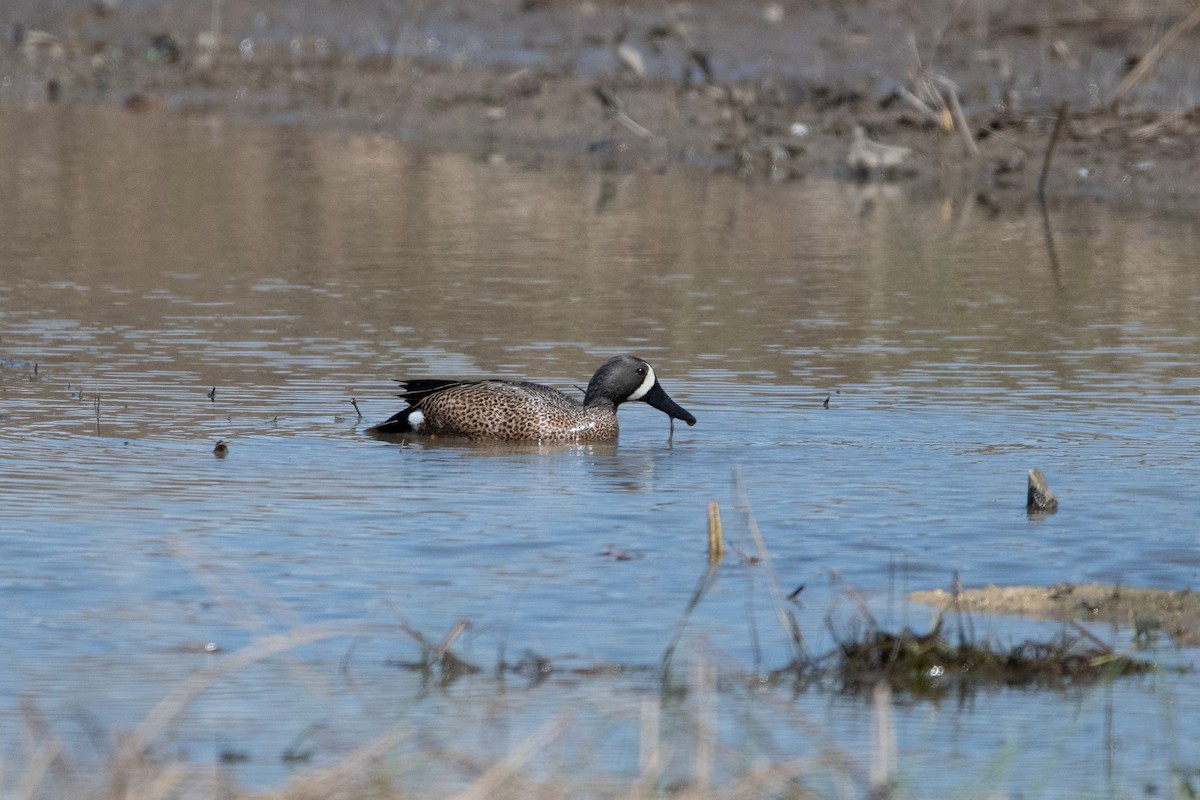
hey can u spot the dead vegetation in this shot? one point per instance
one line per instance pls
(867, 660)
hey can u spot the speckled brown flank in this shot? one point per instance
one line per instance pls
(505, 410)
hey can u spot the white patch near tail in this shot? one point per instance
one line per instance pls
(646, 386)
(414, 420)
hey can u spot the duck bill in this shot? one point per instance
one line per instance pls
(662, 401)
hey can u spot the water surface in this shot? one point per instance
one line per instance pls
(166, 282)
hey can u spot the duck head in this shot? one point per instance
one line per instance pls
(624, 378)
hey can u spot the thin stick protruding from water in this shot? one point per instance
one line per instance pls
(1058, 121)
(716, 535)
(787, 620)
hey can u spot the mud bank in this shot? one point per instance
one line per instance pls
(772, 90)
(1147, 611)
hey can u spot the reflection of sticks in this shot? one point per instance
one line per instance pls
(961, 118)
(1152, 56)
(956, 109)
(1049, 242)
(1062, 114)
(706, 581)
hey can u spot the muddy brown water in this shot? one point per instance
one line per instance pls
(146, 260)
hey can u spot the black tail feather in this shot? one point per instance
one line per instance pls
(415, 391)
(397, 424)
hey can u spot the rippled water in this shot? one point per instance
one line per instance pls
(206, 280)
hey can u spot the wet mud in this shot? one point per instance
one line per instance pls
(1149, 613)
(964, 95)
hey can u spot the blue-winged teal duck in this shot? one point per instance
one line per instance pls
(493, 409)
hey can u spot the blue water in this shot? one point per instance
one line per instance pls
(952, 357)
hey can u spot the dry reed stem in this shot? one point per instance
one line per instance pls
(487, 787)
(716, 535)
(956, 111)
(164, 783)
(37, 767)
(883, 754)
(649, 747)
(1150, 60)
(704, 688)
(260, 615)
(338, 780)
(778, 599)
(170, 706)
(440, 651)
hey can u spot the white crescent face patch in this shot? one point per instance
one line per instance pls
(646, 386)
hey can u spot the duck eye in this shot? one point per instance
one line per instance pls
(641, 371)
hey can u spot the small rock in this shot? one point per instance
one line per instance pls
(164, 49)
(1040, 499)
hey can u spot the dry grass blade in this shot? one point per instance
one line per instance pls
(341, 780)
(174, 703)
(704, 688)
(650, 760)
(1148, 61)
(491, 782)
(35, 770)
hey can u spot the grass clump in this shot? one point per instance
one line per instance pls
(929, 664)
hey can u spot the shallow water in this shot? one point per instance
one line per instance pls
(211, 280)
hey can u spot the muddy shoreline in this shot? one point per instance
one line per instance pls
(769, 90)
(1148, 612)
